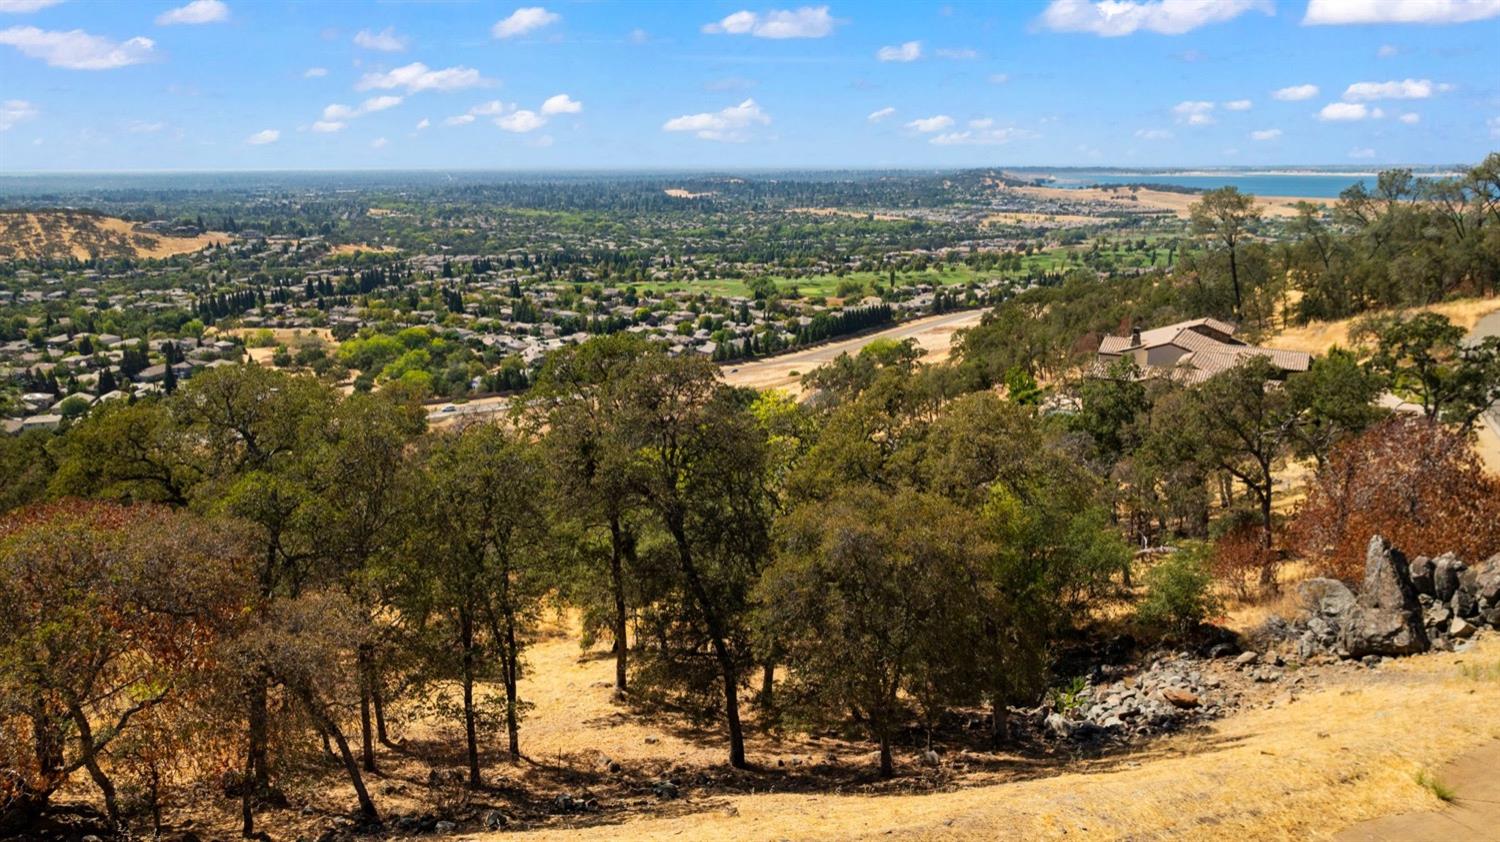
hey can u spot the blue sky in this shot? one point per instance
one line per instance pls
(267, 84)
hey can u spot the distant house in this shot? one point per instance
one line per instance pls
(1191, 351)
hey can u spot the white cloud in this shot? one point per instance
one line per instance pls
(1295, 93)
(198, 11)
(910, 51)
(521, 121)
(76, 49)
(486, 109)
(1403, 89)
(263, 137)
(1361, 152)
(561, 104)
(314, 73)
(328, 126)
(935, 123)
(1266, 134)
(21, 7)
(379, 143)
(877, 116)
(956, 53)
(13, 112)
(459, 120)
(981, 135)
(1153, 134)
(729, 125)
(805, 22)
(524, 20)
(423, 123)
(1387, 51)
(999, 78)
(1494, 124)
(143, 127)
(1410, 118)
(1238, 105)
(638, 36)
(1326, 12)
(1194, 112)
(336, 111)
(1335, 112)
(385, 41)
(417, 76)
(379, 103)
(1112, 18)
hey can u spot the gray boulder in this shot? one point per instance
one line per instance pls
(1420, 572)
(1487, 581)
(1386, 619)
(1328, 598)
(1446, 569)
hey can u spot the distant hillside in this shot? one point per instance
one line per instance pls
(30, 235)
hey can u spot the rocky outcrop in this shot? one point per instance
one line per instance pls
(1402, 608)
(1386, 618)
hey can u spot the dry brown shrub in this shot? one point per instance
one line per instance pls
(1419, 484)
(1242, 562)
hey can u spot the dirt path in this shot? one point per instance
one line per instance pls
(934, 334)
(1474, 815)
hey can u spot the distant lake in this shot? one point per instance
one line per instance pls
(1311, 185)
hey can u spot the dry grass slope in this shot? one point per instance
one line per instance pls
(26, 235)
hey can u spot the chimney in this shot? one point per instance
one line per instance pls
(1135, 337)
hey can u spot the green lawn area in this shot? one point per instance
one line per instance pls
(827, 285)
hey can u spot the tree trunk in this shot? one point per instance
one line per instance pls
(366, 727)
(470, 737)
(512, 704)
(617, 586)
(89, 753)
(259, 769)
(378, 700)
(767, 684)
(887, 765)
(999, 722)
(326, 724)
(1234, 278)
(719, 636)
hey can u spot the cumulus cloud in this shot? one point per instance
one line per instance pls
(1387, 51)
(76, 49)
(1113, 18)
(13, 112)
(729, 125)
(198, 11)
(263, 137)
(417, 76)
(1238, 105)
(1402, 89)
(910, 51)
(877, 116)
(805, 22)
(561, 104)
(1153, 134)
(1410, 118)
(423, 123)
(1334, 12)
(385, 41)
(927, 125)
(459, 120)
(315, 73)
(1295, 93)
(1343, 112)
(521, 121)
(1266, 134)
(21, 7)
(337, 115)
(524, 20)
(379, 143)
(328, 126)
(956, 53)
(1194, 112)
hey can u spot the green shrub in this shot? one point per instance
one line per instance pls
(1178, 593)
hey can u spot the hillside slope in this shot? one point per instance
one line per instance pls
(59, 234)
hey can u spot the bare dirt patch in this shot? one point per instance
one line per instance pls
(1318, 337)
(1124, 198)
(679, 193)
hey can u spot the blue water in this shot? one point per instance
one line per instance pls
(1318, 186)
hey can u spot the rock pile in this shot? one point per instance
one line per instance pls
(1172, 692)
(1402, 608)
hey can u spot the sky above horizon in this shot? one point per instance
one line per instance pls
(268, 84)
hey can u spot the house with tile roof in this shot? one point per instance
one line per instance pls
(1191, 351)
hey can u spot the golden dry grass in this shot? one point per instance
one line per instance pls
(1318, 337)
(1343, 752)
(1161, 200)
(27, 235)
(887, 217)
(1038, 219)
